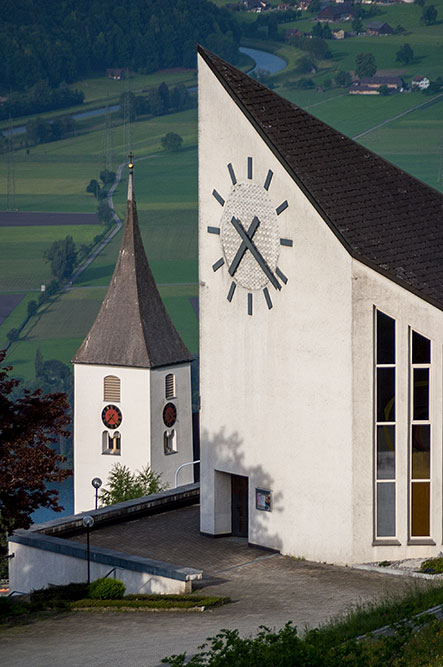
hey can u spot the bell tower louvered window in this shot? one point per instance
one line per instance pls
(111, 388)
(170, 385)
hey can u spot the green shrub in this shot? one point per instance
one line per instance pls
(10, 607)
(68, 592)
(107, 589)
(432, 566)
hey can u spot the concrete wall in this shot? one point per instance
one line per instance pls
(167, 464)
(370, 290)
(276, 387)
(55, 561)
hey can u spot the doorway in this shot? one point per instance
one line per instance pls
(239, 506)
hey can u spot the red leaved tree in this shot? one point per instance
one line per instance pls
(29, 427)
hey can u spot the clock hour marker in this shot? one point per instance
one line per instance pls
(231, 291)
(232, 174)
(249, 167)
(214, 230)
(218, 197)
(218, 264)
(249, 303)
(267, 297)
(287, 242)
(283, 206)
(281, 275)
(268, 180)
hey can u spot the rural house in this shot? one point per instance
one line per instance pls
(378, 28)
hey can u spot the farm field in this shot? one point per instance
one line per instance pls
(53, 177)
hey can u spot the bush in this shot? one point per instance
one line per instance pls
(107, 589)
(432, 566)
(75, 591)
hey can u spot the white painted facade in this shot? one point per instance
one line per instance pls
(142, 429)
(288, 393)
(33, 569)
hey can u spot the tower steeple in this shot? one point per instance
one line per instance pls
(132, 327)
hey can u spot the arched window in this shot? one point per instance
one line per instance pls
(170, 385)
(111, 443)
(170, 442)
(111, 388)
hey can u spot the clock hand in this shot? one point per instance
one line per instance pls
(255, 252)
(242, 249)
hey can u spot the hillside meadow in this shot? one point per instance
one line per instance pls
(53, 177)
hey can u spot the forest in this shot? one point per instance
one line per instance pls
(60, 41)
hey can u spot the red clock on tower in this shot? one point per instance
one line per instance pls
(111, 416)
(169, 414)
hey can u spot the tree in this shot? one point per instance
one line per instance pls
(429, 15)
(13, 335)
(343, 79)
(94, 188)
(383, 90)
(171, 142)
(63, 258)
(29, 427)
(365, 65)
(305, 65)
(357, 26)
(405, 55)
(107, 177)
(125, 485)
(32, 308)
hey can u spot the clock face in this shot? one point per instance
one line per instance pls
(169, 414)
(250, 238)
(111, 416)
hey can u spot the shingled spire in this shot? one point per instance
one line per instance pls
(132, 327)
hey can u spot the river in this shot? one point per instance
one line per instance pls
(268, 62)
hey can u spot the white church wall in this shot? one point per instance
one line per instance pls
(275, 386)
(89, 461)
(372, 290)
(167, 463)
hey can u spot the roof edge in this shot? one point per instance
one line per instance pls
(378, 269)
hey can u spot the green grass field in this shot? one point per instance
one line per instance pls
(23, 248)
(54, 177)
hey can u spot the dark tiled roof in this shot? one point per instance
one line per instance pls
(132, 327)
(384, 217)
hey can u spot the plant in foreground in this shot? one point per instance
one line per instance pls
(107, 589)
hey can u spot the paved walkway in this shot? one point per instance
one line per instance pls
(266, 589)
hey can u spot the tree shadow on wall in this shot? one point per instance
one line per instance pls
(227, 451)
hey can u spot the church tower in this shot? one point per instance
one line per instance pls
(132, 378)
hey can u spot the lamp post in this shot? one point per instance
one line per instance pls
(88, 522)
(96, 483)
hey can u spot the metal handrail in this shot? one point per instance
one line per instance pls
(183, 465)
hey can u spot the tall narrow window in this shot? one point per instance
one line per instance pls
(420, 436)
(385, 474)
(111, 443)
(170, 385)
(111, 388)
(170, 442)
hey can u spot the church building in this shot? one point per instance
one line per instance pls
(321, 334)
(132, 379)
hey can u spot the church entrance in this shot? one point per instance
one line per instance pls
(239, 505)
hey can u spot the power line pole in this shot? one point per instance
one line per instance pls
(10, 199)
(108, 152)
(440, 171)
(127, 142)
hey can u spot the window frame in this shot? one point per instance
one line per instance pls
(379, 481)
